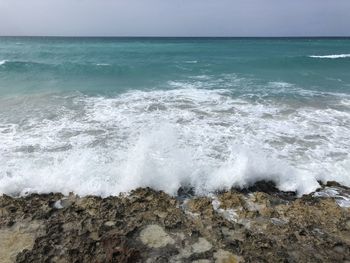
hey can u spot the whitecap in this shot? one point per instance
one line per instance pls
(3, 62)
(280, 84)
(331, 56)
(201, 77)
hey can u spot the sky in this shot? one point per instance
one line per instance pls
(175, 17)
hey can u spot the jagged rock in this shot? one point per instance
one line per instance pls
(151, 226)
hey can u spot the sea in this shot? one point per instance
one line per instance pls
(104, 116)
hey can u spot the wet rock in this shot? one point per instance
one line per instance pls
(151, 226)
(185, 192)
(270, 188)
(64, 202)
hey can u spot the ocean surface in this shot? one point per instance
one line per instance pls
(107, 115)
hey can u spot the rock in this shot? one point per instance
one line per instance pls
(223, 256)
(63, 203)
(233, 234)
(154, 236)
(151, 226)
(17, 238)
(270, 188)
(109, 223)
(347, 224)
(201, 246)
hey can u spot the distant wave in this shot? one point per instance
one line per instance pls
(61, 67)
(332, 56)
(19, 62)
(13, 65)
(33, 63)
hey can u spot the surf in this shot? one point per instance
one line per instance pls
(331, 56)
(205, 139)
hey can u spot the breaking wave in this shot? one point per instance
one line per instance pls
(332, 56)
(204, 139)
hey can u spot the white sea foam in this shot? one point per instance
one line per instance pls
(342, 198)
(332, 56)
(167, 139)
(280, 84)
(2, 62)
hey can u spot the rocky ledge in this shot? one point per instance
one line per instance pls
(259, 224)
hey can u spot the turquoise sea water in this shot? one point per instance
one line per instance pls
(113, 65)
(106, 115)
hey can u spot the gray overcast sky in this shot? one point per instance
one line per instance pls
(175, 17)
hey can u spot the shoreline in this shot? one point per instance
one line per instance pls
(259, 224)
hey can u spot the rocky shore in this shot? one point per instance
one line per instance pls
(259, 224)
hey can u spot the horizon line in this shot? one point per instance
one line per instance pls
(155, 36)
